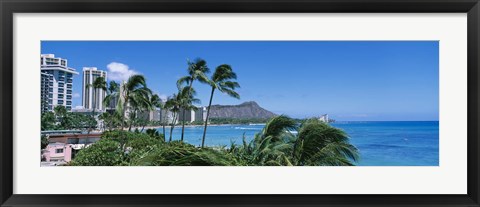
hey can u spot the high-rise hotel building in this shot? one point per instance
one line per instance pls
(89, 98)
(56, 82)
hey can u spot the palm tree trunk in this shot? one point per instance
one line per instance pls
(183, 121)
(143, 127)
(109, 126)
(93, 101)
(206, 119)
(93, 116)
(124, 135)
(183, 124)
(172, 126)
(131, 121)
(146, 122)
(163, 126)
(162, 122)
(124, 111)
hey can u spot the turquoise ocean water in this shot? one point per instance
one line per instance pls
(392, 143)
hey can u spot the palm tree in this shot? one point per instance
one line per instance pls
(133, 91)
(113, 94)
(98, 84)
(272, 146)
(197, 70)
(139, 104)
(316, 143)
(173, 105)
(186, 100)
(109, 119)
(153, 104)
(60, 112)
(221, 80)
(163, 117)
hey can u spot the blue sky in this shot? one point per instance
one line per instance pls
(349, 80)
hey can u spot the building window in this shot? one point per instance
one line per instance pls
(50, 89)
(58, 151)
(60, 90)
(69, 97)
(69, 103)
(69, 91)
(60, 84)
(60, 102)
(72, 141)
(60, 95)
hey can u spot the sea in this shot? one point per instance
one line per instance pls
(380, 143)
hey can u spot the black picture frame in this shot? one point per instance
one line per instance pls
(10, 7)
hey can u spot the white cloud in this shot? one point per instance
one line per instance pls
(163, 97)
(119, 71)
(76, 95)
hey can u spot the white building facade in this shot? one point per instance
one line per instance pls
(93, 97)
(56, 82)
(198, 114)
(324, 118)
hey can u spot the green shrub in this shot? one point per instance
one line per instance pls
(140, 140)
(178, 153)
(103, 153)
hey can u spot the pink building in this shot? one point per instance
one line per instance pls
(57, 152)
(62, 147)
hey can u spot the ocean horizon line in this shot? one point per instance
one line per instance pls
(390, 121)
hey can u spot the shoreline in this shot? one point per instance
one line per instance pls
(190, 126)
(176, 126)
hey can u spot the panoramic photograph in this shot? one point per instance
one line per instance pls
(239, 103)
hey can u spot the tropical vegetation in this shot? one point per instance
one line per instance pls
(128, 105)
(316, 144)
(60, 119)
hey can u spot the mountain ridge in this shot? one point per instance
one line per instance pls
(249, 109)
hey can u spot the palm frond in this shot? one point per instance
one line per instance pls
(278, 125)
(231, 93)
(134, 82)
(185, 80)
